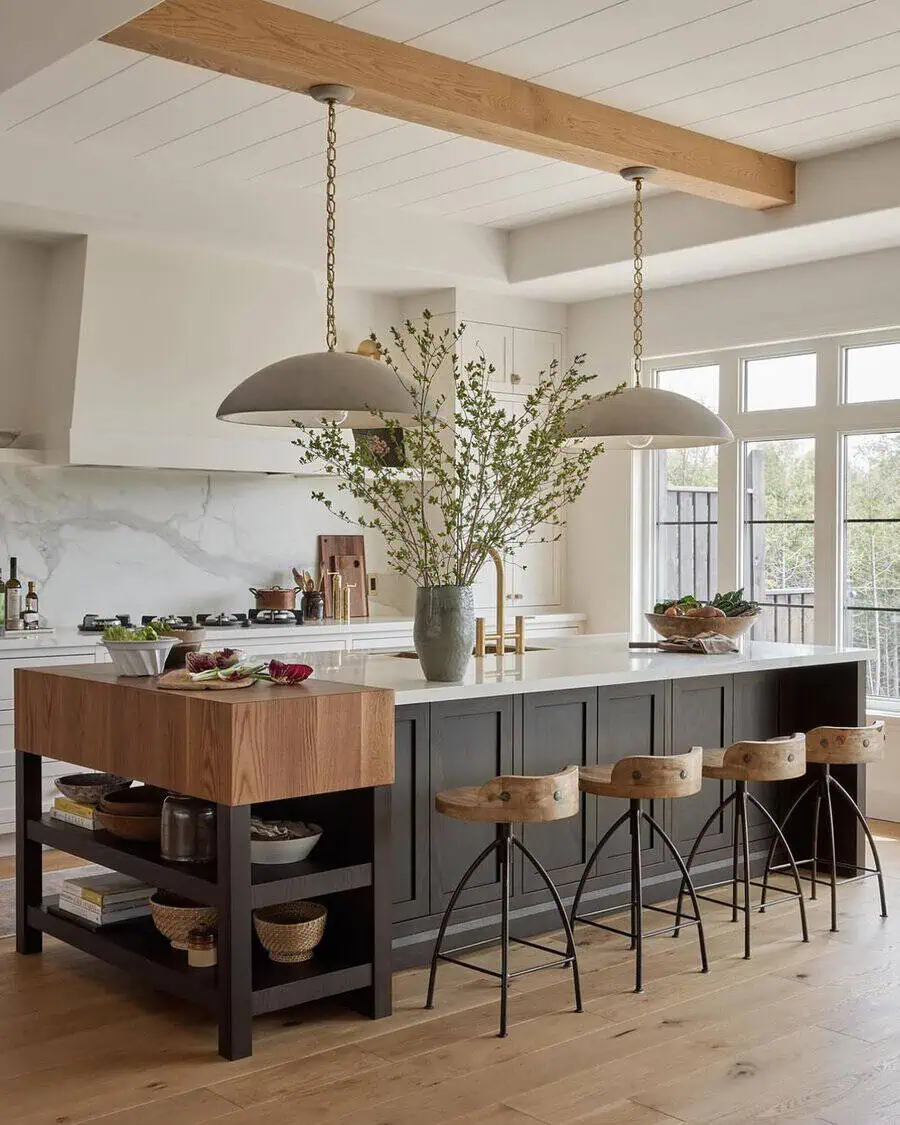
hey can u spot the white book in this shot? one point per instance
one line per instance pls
(108, 889)
(84, 910)
(105, 911)
(71, 818)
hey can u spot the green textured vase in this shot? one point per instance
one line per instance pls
(444, 630)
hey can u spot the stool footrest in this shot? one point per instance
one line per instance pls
(803, 863)
(681, 920)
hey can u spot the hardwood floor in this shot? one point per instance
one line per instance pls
(800, 1034)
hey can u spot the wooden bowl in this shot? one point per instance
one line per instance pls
(290, 931)
(130, 827)
(690, 626)
(90, 788)
(140, 800)
(175, 917)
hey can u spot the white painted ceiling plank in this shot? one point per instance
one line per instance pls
(427, 187)
(377, 177)
(327, 9)
(507, 188)
(214, 101)
(151, 82)
(718, 31)
(83, 68)
(843, 142)
(766, 54)
(405, 20)
(820, 128)
(578, 195)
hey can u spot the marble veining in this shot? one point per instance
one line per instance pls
(102, 540)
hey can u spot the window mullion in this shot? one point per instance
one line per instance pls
(827, 539)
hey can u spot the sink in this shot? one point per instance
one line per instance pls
(489, 651)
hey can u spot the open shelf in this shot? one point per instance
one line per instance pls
(278, 986)
(271, 883)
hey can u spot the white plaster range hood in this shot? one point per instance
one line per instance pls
(141, 343)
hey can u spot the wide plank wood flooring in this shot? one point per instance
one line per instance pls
(800, 1034)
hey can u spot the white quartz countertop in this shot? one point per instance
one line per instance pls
(565, 662)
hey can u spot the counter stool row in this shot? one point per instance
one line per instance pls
(510, 800)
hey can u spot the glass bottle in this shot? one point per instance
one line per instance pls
(13, 597)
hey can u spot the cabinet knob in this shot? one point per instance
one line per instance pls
(515, 378)
(519, 597)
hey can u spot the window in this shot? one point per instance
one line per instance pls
(872, 373)
(780, 382)
(687, 498)
(872, 555)
(779, 557)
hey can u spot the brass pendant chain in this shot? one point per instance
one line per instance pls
(330, 177)
(638, 280)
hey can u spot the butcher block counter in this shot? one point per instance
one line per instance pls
(324, 750)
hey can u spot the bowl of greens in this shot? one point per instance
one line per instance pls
(729, 614)
(137, 651)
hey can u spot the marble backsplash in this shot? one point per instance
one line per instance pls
(158, 541)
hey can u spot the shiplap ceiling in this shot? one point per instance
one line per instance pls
(792, 77)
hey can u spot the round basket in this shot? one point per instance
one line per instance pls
(290, 931)
(175, 917)
(690, 626)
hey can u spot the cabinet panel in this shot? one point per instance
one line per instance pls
(702, 715)
(536, 571)
(559, 729)
(631, 721)
(496, 342)
(532, 352)
(471, 742)
(756, 717)
(411, 813)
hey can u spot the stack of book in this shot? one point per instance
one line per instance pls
(72, 812)
(105, 899)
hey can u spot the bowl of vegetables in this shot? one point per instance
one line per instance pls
(137, 651)
(729, 614)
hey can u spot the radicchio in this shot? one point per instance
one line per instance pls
(281, 673)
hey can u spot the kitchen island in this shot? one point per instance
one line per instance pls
(585, 701)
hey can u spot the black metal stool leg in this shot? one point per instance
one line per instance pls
(771, 853)
(817, 816)
(741, 815)
(637, 894)
(780, 835)
(717, 811)
(868, 832)
(561, 910)
(735, 847)
(686, 878)
(460, 886)
(505, 848)
(829, 810)
(588, 867)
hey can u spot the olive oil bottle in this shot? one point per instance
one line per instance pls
(13, 597)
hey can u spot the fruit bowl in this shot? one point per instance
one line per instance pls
(669, 627)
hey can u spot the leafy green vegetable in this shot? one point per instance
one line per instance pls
(732, 604)
(129, 633)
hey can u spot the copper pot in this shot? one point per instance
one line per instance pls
(275, 597)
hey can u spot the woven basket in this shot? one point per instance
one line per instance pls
(290, 931)
(175, 917)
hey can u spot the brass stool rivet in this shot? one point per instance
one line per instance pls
(790, 757)
(866, 743)
(636, 775)
(504, 796)
(557, 795)
(683, 774)
(823, 742)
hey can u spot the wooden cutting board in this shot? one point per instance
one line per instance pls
(179, 679)
(332, 549)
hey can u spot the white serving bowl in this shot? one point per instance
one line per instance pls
(285, 851)
(140, 658)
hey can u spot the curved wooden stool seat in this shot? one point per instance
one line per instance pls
(514, 799)
(637, 778)
(778, 759)
(827, 747)
(505, 801)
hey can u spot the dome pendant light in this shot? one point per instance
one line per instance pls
(645, 417)
(329, 386)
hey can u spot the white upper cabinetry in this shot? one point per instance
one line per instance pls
(517, 354)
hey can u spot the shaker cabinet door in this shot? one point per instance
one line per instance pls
(411, 813)
(756, 717)
(495, 341)
(471, 742)
(702, 715)
(559, 729)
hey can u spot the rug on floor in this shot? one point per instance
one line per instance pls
(53, 881)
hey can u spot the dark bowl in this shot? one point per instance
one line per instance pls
(141, 800)
(90, 788)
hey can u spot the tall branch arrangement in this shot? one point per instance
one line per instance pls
(478, 475)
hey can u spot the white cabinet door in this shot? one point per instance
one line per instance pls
(532, 352)
(536, 578)
(496, 342)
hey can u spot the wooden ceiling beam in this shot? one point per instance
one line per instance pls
(280, 47)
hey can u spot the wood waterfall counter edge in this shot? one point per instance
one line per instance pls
(362, 749)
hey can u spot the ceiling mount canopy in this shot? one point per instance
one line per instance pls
(646, 417)
(330, 386)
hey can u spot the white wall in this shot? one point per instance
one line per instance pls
(24, 268)
(849, 294)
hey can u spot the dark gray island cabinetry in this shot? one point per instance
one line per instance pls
(465, 741)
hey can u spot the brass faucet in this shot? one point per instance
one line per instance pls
(499, 637)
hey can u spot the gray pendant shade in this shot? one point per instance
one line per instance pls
(669, 420)
(335, 386)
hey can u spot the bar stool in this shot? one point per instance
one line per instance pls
(779, 759)
(638, 778)
(505, 801)
(827, 747)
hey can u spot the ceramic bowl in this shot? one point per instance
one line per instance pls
(140, 658)
(290, 931)
(175, 917)
(139, 800)
(130, 827)
(285, 851)
(90, 788)
(669, 627)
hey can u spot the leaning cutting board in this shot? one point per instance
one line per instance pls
(333, 549)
